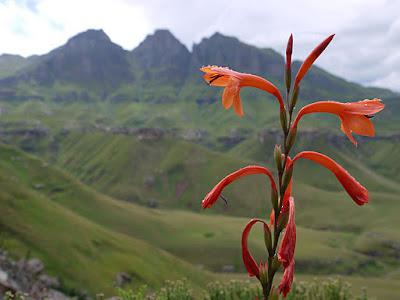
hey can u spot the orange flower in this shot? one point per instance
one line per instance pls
(233, 81)
(214, 194)
(356, 191)
(355, 116)
(286, 251)
(251, 266)
(311, 59)
(287, 280)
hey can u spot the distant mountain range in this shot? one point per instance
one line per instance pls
(91, 60)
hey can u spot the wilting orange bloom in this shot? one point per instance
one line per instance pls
(214, 194)
(356, 191)
(233, 81)
(311, 59)
(287, 280)
(286, 251)
(355, 116)
(251, 266)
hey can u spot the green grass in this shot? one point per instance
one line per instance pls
(84, 253)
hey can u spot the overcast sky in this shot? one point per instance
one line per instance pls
(366, 47)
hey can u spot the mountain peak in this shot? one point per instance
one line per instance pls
(90, 35)
(89, 58)
(164, 33)
(217, 36)
(160, 38)
(164, 52)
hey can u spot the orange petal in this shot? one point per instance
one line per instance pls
(287, 280)
(358, 124)
(237, 104)
(288, 245)
(216, 80)
(311, 59)
(248, 260)
(221, 76)
(356, 191)
(227, 96)
(214, 194)
(364, 107)
(346, 130)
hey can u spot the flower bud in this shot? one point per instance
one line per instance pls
(283, 220)
(287, 176)
(294, 99)
(268, 239)
(283, 117)
(274, 199)
(276, 264)
(291, 138)
(263, 274)
(288, 66)
(278, 158)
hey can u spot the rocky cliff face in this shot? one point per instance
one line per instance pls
(162, 57)
(229, 51)
(89, 58)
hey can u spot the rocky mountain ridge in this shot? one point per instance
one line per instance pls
(91, 61)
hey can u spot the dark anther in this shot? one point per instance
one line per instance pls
(214, 77)
(225, 200)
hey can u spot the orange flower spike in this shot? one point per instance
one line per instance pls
(215, 193)
(355, 190)
(311, 58)
(233, 81)
(251, 266)
(355, 116)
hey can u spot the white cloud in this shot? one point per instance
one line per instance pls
(364, 49)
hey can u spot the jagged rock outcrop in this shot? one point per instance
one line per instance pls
(26, 277)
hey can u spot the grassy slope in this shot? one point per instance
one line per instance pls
(84, 253)
(181, 112)
(183, 173)
(110, 233)
(108, 239)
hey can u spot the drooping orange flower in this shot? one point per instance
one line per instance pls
(251, 266)
(233, 81)
(311, 59)
(287, 280)
(215, 193)
(356, 191)
(286, 251)
(355, 116)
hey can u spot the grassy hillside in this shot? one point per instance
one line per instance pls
(64, 222)
(85, 254)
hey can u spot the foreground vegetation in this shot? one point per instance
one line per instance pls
(332, 289)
